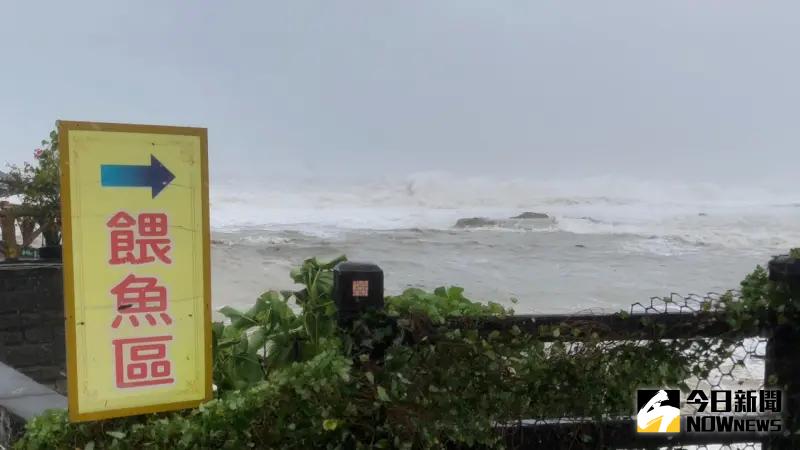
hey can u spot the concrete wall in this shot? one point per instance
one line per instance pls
(32, 322)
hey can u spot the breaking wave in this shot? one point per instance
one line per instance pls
(694, 213)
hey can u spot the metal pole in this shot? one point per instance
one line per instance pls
(782, 368)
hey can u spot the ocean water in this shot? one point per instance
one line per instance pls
(608, 243)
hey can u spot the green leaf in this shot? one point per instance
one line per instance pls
(332, 263)
(116, 434)
(257, 339)
(232, 313)
(382, 395)
(330, 424)
(455, 293)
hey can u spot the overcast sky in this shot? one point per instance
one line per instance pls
(689, 89)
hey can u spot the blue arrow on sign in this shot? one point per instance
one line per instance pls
(155, 176)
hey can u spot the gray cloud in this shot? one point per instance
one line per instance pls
(674, 89)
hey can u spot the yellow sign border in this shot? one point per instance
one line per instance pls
(64, 128)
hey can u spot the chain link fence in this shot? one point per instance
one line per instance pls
(742, 364)
(736, 359)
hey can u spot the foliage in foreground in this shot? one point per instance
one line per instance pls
(288, 378)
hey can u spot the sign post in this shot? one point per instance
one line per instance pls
(136, 268)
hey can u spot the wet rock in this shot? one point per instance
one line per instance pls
(531, 215)
(475, 222)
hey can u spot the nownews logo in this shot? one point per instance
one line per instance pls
(658, 411)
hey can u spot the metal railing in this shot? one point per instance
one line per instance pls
(771, 350)
(766, 356)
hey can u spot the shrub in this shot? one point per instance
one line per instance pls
(287, 378)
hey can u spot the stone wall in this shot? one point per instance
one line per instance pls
(32, 322)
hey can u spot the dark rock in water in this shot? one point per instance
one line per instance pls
(702, 214)
(580, 246)
(531, 215)
(474, 222)
(218, 242)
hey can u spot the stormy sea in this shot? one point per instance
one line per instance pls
(598, 244)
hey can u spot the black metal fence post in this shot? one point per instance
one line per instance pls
(357, 288)
(782, 368)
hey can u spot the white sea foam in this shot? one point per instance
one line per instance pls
(684, 213)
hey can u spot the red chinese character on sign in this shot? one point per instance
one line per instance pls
(151, 238)
(142, 361)
(140, 296)
(122, 241)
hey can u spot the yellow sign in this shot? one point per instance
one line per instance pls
(136, 268)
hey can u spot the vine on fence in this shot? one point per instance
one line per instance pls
(404, 378)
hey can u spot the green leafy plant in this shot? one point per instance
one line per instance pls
(406, 377)
(271, 334)
(318, 309)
